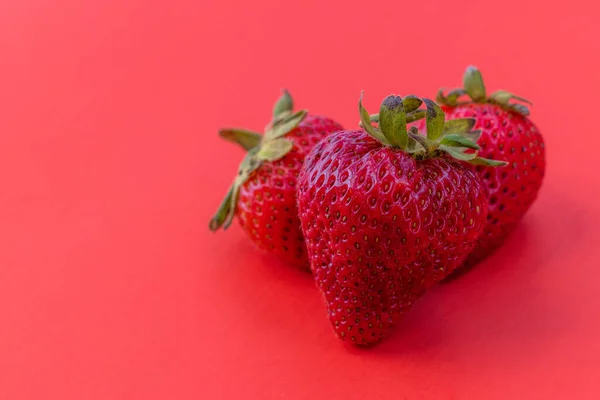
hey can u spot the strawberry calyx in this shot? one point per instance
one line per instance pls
(474, 88)
(270, 146)
(455, 138)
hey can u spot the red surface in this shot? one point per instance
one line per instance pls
(111, 286)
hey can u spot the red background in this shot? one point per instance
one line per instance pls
(111, 285)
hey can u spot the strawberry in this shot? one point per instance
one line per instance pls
(388, 212)
(506, 133)
(263, 194)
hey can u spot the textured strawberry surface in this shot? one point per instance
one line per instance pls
(512, 189)
(382, 227)
(267, 204)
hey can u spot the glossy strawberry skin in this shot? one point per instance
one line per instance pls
(267, 201)
(511, 189)
(381, 228)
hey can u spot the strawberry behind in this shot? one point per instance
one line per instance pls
(507, 133)
(263, 194)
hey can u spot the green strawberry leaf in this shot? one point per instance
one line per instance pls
(274, 149)
(284, 104)
(411, 103)
(365, 120)
(223, 212)
(246, 139)
(410, 116)
(392, 121)
(226, 212)
(487, 162)
(458, 154)
(473, 84)
(434, 120)
(473, 135)
(451, 99)
(427, 144)
(283, 126)
(456, 140)
(503, 98)
(459, 125)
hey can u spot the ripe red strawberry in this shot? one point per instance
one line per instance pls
(507, 134)
(263, 194)
(387, 212)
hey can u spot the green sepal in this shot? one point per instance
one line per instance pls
(223, 212)
(246, 139)
(463, 127)
(457, 140)
(503, 98)
(487, 162)
(473, 84)
(457, 153)
(460, 154)
(274, 149)
(459, 125)
(434, 120)
(226, 211)
(365, 120)
(415, 116)
(410, 116)
(392, 121)
(451, 98)
(411, 103)
(284, 104)
(284, 124)
(520, 109)
(473, 135)
(413, 146)
(427, 144)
